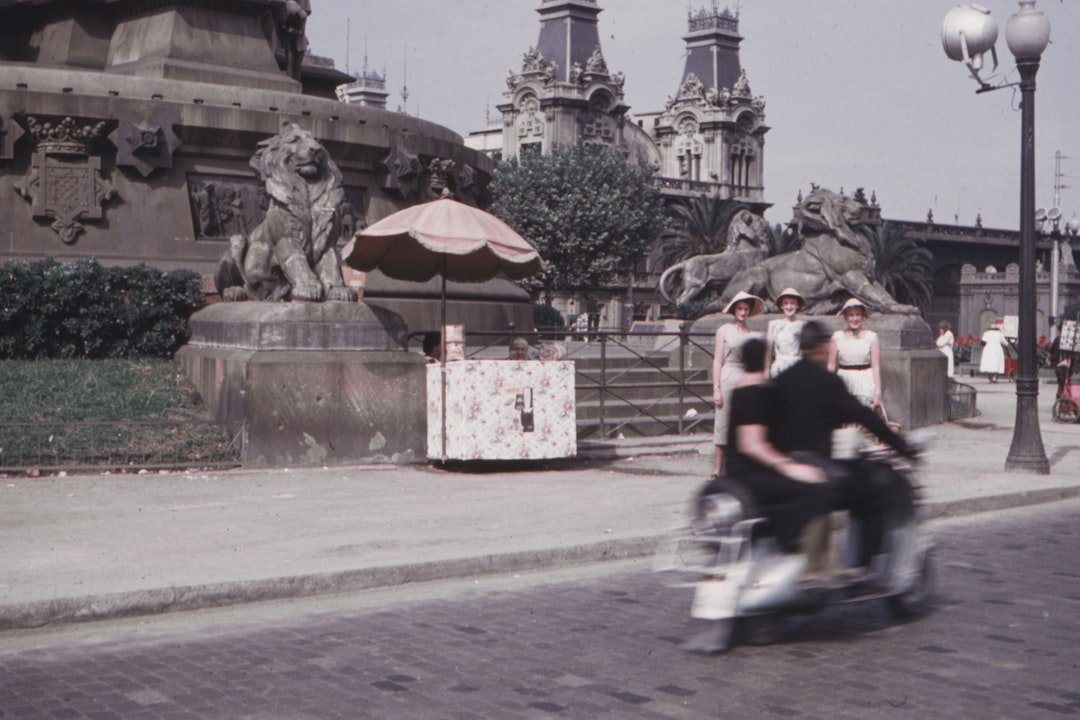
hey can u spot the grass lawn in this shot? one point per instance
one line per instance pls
(95, 413)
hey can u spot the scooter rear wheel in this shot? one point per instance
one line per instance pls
(914, 601)
(761, 629)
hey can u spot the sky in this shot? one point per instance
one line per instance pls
(859, 93)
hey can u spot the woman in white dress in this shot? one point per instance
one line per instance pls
(993, 350)
(727, 367)
(855, 354)
(782, 338)
(945, 342)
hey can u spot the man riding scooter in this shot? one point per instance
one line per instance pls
(811, 403)
(780, 441)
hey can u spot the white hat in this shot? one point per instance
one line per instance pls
(756, 303)
(855, 302)
(791, 293)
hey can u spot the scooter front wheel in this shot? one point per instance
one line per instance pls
(914, 601)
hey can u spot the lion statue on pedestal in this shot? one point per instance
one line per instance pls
(834, 262)
(291, 254)
(747, 245)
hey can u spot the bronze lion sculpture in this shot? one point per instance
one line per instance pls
(834, 262)
(747, 245)
(292, 253)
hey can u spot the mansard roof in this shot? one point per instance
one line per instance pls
(712, 48)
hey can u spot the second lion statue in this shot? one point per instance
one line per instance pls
(834, 263)
(292, 254)
(747, 245)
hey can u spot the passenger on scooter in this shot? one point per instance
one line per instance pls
(792, 495)
(811, 403)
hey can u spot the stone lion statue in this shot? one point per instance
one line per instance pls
(747, 245)
(292, 253)
(834, 262)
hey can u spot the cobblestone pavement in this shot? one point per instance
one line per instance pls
(1002, 642)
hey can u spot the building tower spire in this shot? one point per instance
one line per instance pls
(568, 34)
(712, 47)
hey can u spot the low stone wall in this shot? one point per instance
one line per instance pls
(310, 383)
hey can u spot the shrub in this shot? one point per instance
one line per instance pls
(545, 316)
(80, 309)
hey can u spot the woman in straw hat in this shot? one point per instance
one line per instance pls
(782, 339)
(727, 367)
(855, 354)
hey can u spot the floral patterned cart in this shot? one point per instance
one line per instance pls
(502, 410)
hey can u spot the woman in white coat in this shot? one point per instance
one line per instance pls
(945, 342)
(993, 350)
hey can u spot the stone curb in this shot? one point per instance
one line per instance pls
(196, 597)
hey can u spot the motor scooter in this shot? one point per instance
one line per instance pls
(746, 585)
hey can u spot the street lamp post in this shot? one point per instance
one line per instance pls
(1027, 35)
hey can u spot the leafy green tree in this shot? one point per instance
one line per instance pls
(590, 212)
(901, 264)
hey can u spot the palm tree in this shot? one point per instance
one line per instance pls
(782, 239)
(706, 220)
(901, 264)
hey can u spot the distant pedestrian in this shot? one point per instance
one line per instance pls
(993, 350)
(945, 343)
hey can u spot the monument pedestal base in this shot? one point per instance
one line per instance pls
(307, 384)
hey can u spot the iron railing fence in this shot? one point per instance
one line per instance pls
(123, 445)
(623, 381)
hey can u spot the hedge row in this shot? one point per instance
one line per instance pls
(80, 309)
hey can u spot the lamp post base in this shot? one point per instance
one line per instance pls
(1027, 453)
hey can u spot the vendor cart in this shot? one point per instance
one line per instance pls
(502, 410)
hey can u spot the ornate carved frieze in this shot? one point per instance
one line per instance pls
(146, 143)
(533, 67)
(693, 93)
(64, 181)
(225, 205)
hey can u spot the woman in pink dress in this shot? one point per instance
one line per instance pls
(727, 368)
(855, 354)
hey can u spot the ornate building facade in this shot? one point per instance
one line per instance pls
(709, 138)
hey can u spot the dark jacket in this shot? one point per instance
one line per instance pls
(811, 403)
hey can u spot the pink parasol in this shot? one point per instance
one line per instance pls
(442, 237)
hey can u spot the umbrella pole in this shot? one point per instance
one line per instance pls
(443, 354)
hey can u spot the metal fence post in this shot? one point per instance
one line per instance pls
(603, 381)
(684, 340)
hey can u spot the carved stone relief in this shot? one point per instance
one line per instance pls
(10, 131)
(64, 181)
(225, 205)
(402, 168)
(148, 143)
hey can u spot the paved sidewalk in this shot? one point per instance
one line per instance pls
(97, 546)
